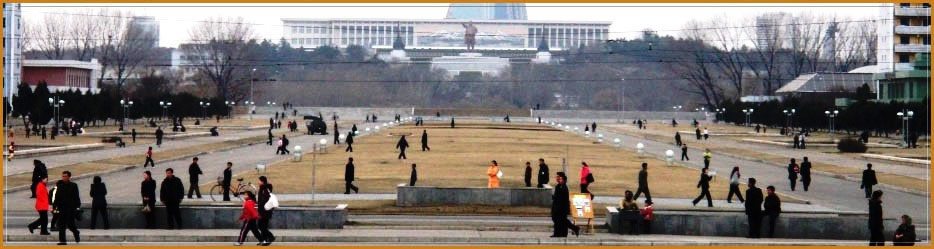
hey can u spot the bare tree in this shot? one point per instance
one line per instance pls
(855, 45)
(84, 29)
(806, 35)
(127, 49)
(221, 44)
(764, 60)
(730, 44)
(696, 67)
(49, 36)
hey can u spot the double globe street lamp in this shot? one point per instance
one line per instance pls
(126, 110)
(906, 116)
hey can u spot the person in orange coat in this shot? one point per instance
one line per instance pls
(249, 217)
(42, 206)
(492, 172)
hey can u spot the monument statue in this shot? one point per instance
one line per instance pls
(470, 35)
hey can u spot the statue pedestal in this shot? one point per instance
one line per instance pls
(470, 62)
(470, 54)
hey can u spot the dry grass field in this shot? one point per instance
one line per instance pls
(459, 158)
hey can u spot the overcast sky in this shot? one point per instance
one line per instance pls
(628, 19)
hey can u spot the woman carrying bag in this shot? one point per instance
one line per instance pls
(267, 203)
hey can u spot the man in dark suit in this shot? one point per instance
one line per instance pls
(643, 183)
(171, 193)
(225, 184)
(67, 201)
(528, 174)
(754, 209)
(349, 176)
(869, 179)
(773, 207)
(414, 176)
(704, 185)
(542, 173)
(193, 171)
(39, 172)
(349, 141)
(805, 173)
(561, 208)
(425, 141)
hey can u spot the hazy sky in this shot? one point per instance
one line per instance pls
(628, 19)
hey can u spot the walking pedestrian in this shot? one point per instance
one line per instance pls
(159, 134)
(349, 142)
(337, 138)
(42, 207)
(707, 156)
(68, 201)
(706, 133)
(586, 178)
(171, 193)
(704, 185)
(869, 179)
(543, 175)
(528, 174)
(639, 124)
(805, 173)
(905, 233)
(401, 145)
(802, 138)
(133, 134)
(349, 177)
(796, 141)
(773, 207)
(39, 172)
(754, 209)
(249, 217)
(425, 140)
(593, 127)
(52, 196)
(793, 170)
(99, 203)
(684, 152)
(353, 130)
(279, 146)
(678, 138)
(561, 208)
(148, 194)
(697, 133)
(734, 186)
(493, 173)
(265, 193)
(193, 172)
(285, 145)
(149, 160)
(644, 183)
(44, 133)
(269, 136)
(414, 177)
(225, 182)
(452, 122)
(875, 220)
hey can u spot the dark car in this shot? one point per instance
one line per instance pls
(315, 125)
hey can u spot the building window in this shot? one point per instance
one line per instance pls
(904, 58)
(926, 5)
(905, 5)
(926, 21)
(903, 22)
(927, 39)
(904, 39)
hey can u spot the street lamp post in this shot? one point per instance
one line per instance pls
(830, 116)
(126, 110)
(789, 115)
(56, 108)
(720, 112)
(165, 106)
(748, 113)
(619, 107)
(230, 105)
(249, 108)
(251, 89)
(906, 116)
(204, 106)
(677, 109)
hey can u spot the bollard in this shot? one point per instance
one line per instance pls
(297, 153)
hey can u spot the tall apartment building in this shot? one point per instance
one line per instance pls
(149, 27)
(904, 52)
(12, 47)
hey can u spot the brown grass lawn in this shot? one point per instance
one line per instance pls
(54, 173)
(460, 157)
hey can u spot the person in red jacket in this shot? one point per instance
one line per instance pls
(585, 182)
(42, 206)
(648, 213)
(249, 217)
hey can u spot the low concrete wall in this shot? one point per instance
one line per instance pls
(793, 225)
(407, 196)
(56, 150)
(343, 113)
(614, 115)
(221, 216)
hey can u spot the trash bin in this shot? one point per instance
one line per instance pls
(297, 154)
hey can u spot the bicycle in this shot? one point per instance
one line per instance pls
(217, 191)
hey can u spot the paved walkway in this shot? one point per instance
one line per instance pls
(833, 193)
(813, 156)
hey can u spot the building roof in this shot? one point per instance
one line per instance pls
(393, 21)
(866, 69)
(827, 82)
(92, 65)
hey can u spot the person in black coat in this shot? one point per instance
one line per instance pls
(684, 152)
(159, 134)
(401, 145)
(452, 123)
(793, 174)
(349, 176)
(349, 142)
(678, 138)
(425, 140)
(225, 183)
(773, 207)
(704, 185)
(67, 201)
(353, 130)
(148, 194)
(337, 138)
(99, 202)
(643, 183)
(262, 197)
(905, 234)
(875, 220)
(193, 172)
(796, 142)
(754, 209)
(593, 127)
(805, 174)
(39, 172)
(414, 177)
(869, 179)
(697, 133)
(171, 193)
(528, 174)
(133, 134)
(561, 208)
(269, 136)
(542, 173)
